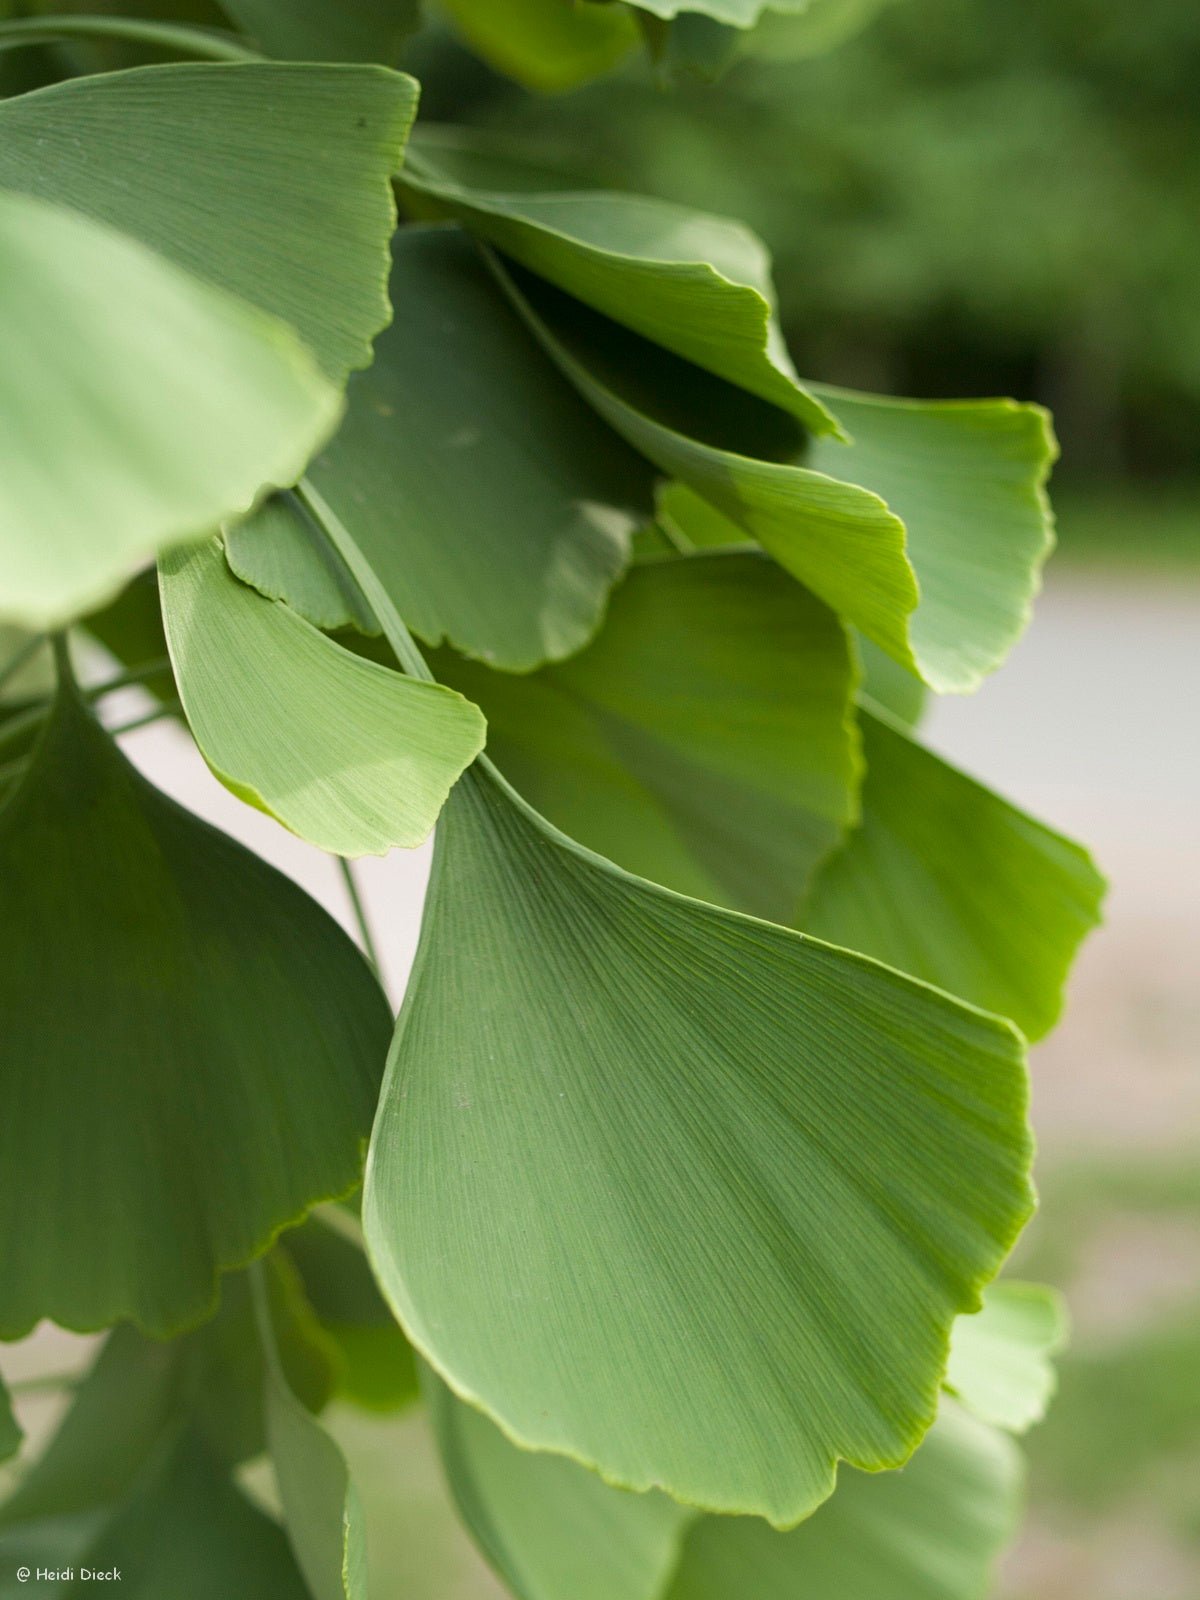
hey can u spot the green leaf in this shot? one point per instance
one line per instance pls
(1001, 1358)
(315, 30)
(10, 1431)
(839, 538)
(698, 285)
(363, 759)
(323, 1517)
(544, 44)
(131, 629)
(279, 551)
(495, 509)
(931, 1532)
(214, 1074)
(270, 181)
(205, 400)
(889, 686)
(693, 524)
(968, 480)
(949, 882)
(686, 1196)
(378, 1371)
(739, 13)
(705, 739)
(809, 28)
(188, 1533)
(551, 1529)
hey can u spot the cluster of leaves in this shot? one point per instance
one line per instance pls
(702, 1121)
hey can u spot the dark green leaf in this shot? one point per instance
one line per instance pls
(686, 1196)
(698, 285)
(363, 759)
(269, 181)
(494, 508)
(280, 552)
(949, 882)
(544, 44)
(318, 30)
(705, 739)
(214, 1073)
(10, 1432)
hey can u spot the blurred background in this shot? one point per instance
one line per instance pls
(966, 198)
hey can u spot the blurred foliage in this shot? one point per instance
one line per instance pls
(964, 198)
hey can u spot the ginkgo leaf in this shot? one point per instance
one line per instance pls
(696, 284)
(377, 1369)
(206, 400)
(551, 1529)
(495, 509)
(739, 13)
(322, 1514)
(189, 1533)
(689, 1197)
(705, 739)
(271, 181)
(967, 477)
(215, 1073)
(10, 1431)
(349, 755)
(1002, 1358)
(808, 27)
(930, 1532)
(280, 552)
(315, 30)
(840, 538)
(947, 881)
(544, 44)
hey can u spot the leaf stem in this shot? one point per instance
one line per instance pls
(394, 630)
(169, 708)
(202, 43)
(360, 912)
(49, 1383)
(24, 653)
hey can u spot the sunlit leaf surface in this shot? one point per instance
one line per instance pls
(1002, 1358)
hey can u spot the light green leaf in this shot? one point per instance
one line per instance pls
(205, 401)
(10, 1431)
(949, 882)
(705, 739)
(1001, 1358)
(698, 285)
(930, 1532)
(26, 667)
(495, 509)
(280, 552)
(693, 524)
(323, 1517)
(839, 538)
(544, 44)
(351, 756)
(968, 479)
(270, 181)
(188, 1533)
(551, 1529)
(378, 1371)
(315, 30)
(215, 1073)
(888, 685)
(739, 13)
(686, 1196)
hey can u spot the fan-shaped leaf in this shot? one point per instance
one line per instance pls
(323, 1517)
(946, 880)
(281, 553)
(315, 30)
(686, 1196)
(270, 181)
(696, 284)
(930, 1532)
(544, 44)
(493, 506)
(214, 1074)
(205, 400)
(1001, 1359)
(705, 739)
(550, 1528)
(841, 539)
(349, 755)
